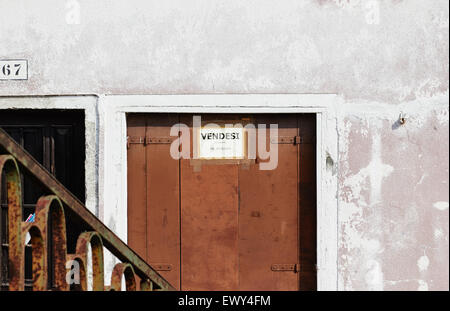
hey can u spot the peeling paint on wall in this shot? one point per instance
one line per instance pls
(442, 206)
(389, 212)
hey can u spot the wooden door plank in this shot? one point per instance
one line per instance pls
(268, 216)
(209, 216)
(163, 217)
(137, 187)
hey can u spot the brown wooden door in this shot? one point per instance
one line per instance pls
(269, 216)
(223, 225)
(209, 219)
(153, 195)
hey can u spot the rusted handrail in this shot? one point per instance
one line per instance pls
(13, 157)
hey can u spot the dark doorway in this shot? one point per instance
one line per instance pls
(56, 139)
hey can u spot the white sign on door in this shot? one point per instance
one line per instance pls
(13, 69)
(221, 143)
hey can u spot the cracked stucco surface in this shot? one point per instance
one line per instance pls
(380, 57)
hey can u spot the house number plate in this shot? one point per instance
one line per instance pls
(13, 69)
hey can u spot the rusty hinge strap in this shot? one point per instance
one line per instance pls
(135, 140)
(159, 140)
(149, 140)
(161, 266)
(295, 267)
(295, 140)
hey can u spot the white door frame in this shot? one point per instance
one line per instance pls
(113, 154)
(88, 103)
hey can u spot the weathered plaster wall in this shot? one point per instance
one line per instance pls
(393, 198)
(380, 57)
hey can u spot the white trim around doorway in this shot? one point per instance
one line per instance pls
(113, 154)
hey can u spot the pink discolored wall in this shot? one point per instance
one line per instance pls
(393, 202)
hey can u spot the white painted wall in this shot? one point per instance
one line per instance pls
(379, 57)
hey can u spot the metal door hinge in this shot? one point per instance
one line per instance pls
(135, 140)
(159, 140)
(149, 140)
(295, 267)
(161, 266)
(294, 140)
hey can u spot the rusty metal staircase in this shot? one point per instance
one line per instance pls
(51, 262)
